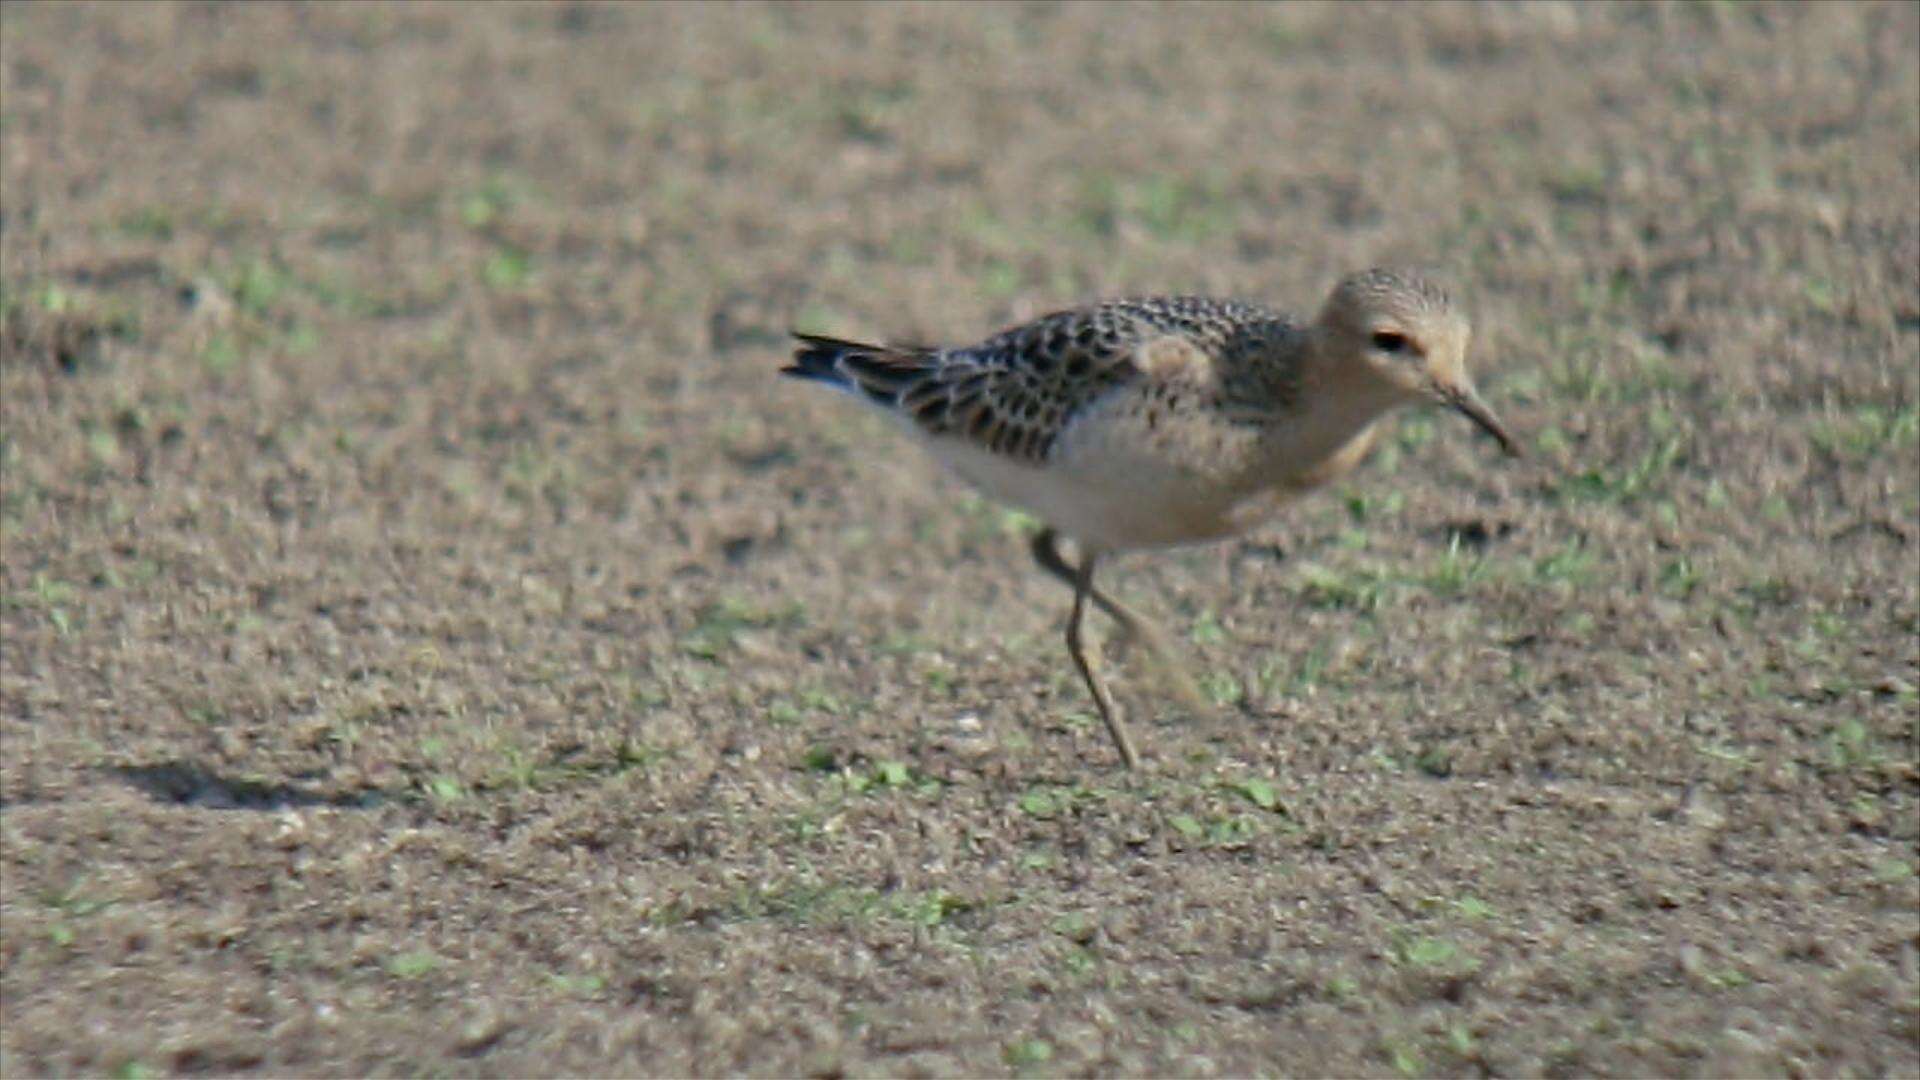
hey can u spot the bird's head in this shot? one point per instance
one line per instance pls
(1399, 331)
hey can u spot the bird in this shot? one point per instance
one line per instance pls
(1162, 421)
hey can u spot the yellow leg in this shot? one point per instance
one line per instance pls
(1133, 626)
(1076, 646)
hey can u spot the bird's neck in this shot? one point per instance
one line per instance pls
(1332, 419)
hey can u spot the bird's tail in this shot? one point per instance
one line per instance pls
(880, 372)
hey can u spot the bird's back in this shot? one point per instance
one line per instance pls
(1016, 392)
(1113, 328)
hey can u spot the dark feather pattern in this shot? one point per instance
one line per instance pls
(1015, 392)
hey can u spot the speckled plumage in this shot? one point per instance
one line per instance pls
(1151, 422)
(1016, 392)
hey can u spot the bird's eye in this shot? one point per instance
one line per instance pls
(1389, 341)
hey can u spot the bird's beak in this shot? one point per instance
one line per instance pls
(1462, 397)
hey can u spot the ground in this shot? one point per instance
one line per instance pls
(436, 642)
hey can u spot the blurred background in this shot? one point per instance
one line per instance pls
(435, 640)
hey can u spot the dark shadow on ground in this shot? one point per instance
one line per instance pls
(189, 784)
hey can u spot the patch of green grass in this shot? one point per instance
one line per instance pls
(1720, 751)
(1052, 801)
(722, 622)
(1428, 952)
(147, 223)
(1258, 792)
(1303, 679)
(1076, 926)
(1571, 565)
(901, 643)
(1851, 745)
(445, 789)
(1038, 860)
(44, 591)
(1435, 761)
(1414, 431)
(931, 908)
(223, 352)
(1893, 871)
(415, 964)
(258, 284)
(1216, 830)
(1456, 571)
(1024, 1054)
(1341, 989)
(887, 776)
(1679, 577)
(1641, 477)
(1867, 431)
(1207, 629)
(1167, 207)
(525, 771)
(576, 985)
(73, 904)
(1223, 688)
(1369, 507)
(820, 699)
(1473, 907)
(1361, 589)
(986, 519)
(1404, 1058)
(506, 268)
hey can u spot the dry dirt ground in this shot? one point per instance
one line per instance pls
(436, 642)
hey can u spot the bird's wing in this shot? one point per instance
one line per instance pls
(1015, 393)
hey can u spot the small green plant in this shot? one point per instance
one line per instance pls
(1641, 477)
(413, 965)
(578, 986)
(446, 789)
(1679, 578)
(1361, 589)
(148, 223)
(722, 622)
(1047, 802)
(1473, 907)
(1258, 792)
(506, 268)
(887, 776)
(1572, 564)
(1850, 745)
(1424, 952)
(1406, 1060)
(1028, 1053)
(1223, 688)
(1866, 431)
(1456, 572)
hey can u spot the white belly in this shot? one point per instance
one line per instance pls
(1107, 503)
(1116, 480)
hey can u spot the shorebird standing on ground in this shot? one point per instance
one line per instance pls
(1156, 422)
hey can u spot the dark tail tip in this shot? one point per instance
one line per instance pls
(818, 358)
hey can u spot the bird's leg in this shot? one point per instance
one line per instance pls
(1076, 646)
(1133, 626)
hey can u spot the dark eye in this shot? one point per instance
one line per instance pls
(1388, 341)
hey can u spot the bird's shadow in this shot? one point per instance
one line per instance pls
(186, 783)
